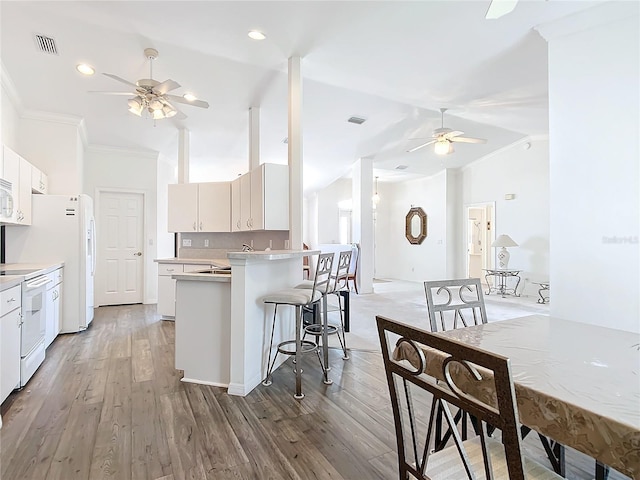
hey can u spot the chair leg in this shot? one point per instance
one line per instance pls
(325, 340)
(298, 395)
(343, 339)
(267, 380)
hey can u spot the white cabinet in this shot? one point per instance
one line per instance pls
(260, 199)
(39, 181)
(10, 324)
(167, 288)
(17, 170)
(241, 203)
(200, 207)
(167, 285)
(54, 306)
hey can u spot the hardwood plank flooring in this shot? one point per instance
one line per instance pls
(109, 404)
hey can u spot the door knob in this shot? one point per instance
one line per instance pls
(137, 254)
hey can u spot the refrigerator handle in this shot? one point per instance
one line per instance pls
(92, 224)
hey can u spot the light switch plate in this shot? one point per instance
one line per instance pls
(186, 242)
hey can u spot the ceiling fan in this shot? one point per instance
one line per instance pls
(444, 138)
(152, 97)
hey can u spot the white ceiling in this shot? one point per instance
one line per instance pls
(394, 63)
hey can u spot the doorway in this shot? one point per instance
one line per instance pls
(479, 235)
(119, 274)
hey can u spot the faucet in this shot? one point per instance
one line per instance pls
(247, 248)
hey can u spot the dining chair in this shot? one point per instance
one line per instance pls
(299, 298)
(455, 303)
(471, 379)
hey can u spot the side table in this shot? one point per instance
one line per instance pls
(500, 278)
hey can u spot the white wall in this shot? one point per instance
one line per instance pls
(327, 208)
(126, 170)
(594, 100)
(395, 256)
(166, 175)
(53, 144)
(9, 116)
(524, 173)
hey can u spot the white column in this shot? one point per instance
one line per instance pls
(254, 138)
(183, 156)
(362, 221)
(295, 153)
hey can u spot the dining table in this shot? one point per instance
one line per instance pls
(576, 383)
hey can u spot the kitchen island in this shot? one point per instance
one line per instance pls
(222, 325)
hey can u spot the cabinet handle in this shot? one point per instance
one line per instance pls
(19, 322)
(248, 224)
(11, 300)
(200, 225)
(169, 269)
(194, 225)
(238, 224)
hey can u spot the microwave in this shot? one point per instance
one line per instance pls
(6, 200)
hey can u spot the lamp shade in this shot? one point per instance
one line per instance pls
(504, 241)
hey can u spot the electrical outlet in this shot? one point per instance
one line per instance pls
(206, 242)
(186, 242)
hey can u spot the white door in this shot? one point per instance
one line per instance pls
(120, 248)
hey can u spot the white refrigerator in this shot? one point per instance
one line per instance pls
(62, 230)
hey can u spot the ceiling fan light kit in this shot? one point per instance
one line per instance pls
(151, 97)
(443, 138)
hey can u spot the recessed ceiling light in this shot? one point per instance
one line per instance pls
(85, 69)
(189, 97)
(256, 35)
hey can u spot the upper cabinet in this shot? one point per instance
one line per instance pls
(199, 207)
(39, 182)
(17, 170)
(260, 199)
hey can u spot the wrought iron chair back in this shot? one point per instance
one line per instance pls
(454, 303)
(342, 270)
(322, 277)
(458, 366)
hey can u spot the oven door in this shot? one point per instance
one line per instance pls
(34, 313)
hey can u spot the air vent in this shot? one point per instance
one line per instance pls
(357, 120)
(46, 44)
(402, 167)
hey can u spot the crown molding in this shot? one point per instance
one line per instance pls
(601, 14)
(10, 88)
(61, 118)
(109, 149)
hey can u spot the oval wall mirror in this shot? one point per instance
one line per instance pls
(416, 226)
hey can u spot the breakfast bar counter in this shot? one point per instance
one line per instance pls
(222, 324)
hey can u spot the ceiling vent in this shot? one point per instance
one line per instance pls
(402, 167)
(357, 120)
(46, 44)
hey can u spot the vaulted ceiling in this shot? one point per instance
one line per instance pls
(393, 63)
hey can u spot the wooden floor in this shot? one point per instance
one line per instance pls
(108, 403)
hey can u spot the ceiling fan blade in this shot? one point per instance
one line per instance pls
(121, 80)
(194, 103)
(165, 87)
(498, 8)
(112, 93)
(452, 134)
(422, 146)
(468, 140)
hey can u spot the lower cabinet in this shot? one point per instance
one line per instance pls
(167, 285)
(10, 324)
(54, 307)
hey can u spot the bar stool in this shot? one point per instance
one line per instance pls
(339, 284)
(299, 298)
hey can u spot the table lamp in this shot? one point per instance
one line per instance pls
(503, 255)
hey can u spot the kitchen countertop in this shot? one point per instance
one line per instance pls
(203, 277)
(271, 254)
(218, 262)
(8, 281)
